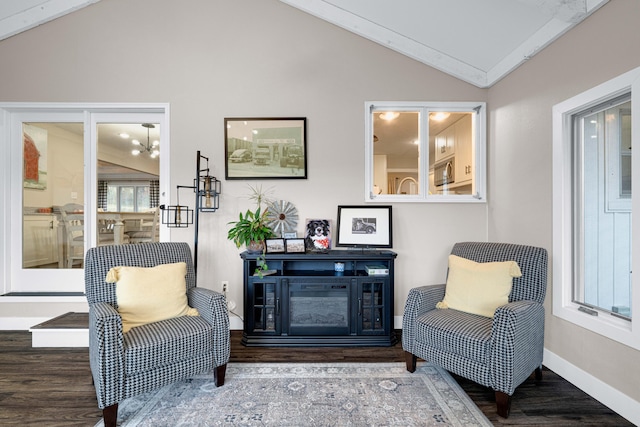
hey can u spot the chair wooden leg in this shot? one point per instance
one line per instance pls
(503, 404)
(411, 360)
(218, 375)
(538, 374)
(110, 415)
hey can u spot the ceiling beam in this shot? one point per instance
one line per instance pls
(35, 13)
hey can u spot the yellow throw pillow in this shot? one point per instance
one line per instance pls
(147, 295)
(478, 288)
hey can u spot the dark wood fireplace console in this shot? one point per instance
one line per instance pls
(306, 302)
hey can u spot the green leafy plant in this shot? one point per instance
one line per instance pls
(251, 229)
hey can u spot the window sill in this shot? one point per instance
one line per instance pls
(604, 324)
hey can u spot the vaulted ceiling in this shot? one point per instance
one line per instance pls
(478, 41)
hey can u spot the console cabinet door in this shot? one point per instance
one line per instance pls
(263, 314)
(373, 306)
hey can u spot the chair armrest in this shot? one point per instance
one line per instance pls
(212, 306)
(419, 301)
(106, 353)
(517, 343)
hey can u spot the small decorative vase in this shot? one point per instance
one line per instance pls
(255, 247)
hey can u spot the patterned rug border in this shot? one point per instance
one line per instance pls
(138, 409)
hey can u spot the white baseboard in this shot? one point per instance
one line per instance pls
(235, 323)
(599, 390)
(397, 322)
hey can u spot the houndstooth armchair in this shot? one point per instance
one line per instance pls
(499, 352)
(153, 355)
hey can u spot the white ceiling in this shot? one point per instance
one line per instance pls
(478, 41)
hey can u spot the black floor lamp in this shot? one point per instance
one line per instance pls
(207, 190)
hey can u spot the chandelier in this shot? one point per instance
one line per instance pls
(153, 148)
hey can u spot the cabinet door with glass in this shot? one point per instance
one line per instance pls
(263, 311)
(374, 303)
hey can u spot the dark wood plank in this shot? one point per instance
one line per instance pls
(52, 386)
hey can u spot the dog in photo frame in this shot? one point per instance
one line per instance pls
(318, 235)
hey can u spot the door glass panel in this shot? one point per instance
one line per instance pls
(128, 167)
(53, 182)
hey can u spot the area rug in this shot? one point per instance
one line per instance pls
(316, 394)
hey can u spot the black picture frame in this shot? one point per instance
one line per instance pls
(265, 148)
(274, 246)
(294, 246)
(365, 226)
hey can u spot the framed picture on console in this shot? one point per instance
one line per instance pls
(364, 226)
(274, 246)
(265, 148)
(294, 246)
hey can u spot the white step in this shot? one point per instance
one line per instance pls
(68, 330)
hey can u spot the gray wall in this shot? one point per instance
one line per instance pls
(604, 46)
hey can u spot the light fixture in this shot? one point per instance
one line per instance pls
(151, 148)
(389, 115)
(439, 116)
(207, 189)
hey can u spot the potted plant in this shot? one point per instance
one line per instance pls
(251, 229)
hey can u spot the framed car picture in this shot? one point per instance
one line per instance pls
(265, 148)
(364, 226)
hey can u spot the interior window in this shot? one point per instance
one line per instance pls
(425, 151)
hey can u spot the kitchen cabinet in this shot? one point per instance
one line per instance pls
(456, 142)
(464, 152)
(445, 143)
(305, 302)
(40, 240)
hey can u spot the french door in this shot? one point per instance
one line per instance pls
(52, 163)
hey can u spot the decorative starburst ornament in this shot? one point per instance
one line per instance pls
(282, 217)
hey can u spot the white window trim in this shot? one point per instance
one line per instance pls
(623, 331)
(423, 196)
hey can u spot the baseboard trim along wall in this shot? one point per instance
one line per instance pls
(594, 387)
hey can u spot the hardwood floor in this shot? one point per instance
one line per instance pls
(52, 386)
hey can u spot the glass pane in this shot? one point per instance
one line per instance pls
(126, 199)
(53, 183)
(396, 152)
(603, 227)
(112, 199)
(625, 152)
(142, 199)
(451, 146)
(258, 321)
(128, 158)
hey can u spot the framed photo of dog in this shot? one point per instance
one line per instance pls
(265, 148)
(317, 235)
(364, 226)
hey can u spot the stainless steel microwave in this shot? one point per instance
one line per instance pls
(443, 173)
